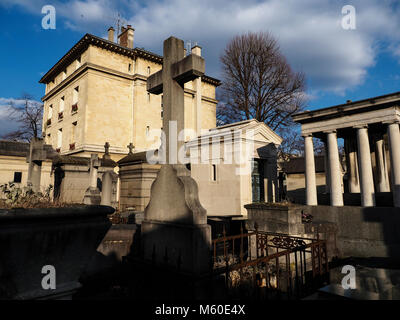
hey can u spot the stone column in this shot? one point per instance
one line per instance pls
(335, 171)
(311, 186)
(381, 166)
(394, 149)
(34, 175)
(197, 87)
(106, 188)
(352, 164)
(93, 177)
(326, 164)
(365, 166)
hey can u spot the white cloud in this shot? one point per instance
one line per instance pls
(309, 31)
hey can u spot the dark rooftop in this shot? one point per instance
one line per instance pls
(297, 165)
(88, 39)
(13, 148)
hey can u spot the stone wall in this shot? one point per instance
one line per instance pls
(361, 232)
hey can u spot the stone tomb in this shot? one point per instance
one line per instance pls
(72, 174)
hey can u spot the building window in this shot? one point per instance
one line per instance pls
(62, 103)
(129, 67)
(64, 74)
(148, 71)
(17, 177)
(214, 172)
(147, 131)
(59, 138)
(50, 114)
(75, 97)
(73, 131)
(78, 62)
(61, 109)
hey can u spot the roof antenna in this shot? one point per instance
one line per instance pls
(189, 47)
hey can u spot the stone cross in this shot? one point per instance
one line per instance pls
(130, 146)
(174, 228)
(176, 71)
(107, 148)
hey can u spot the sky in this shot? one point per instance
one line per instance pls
(339, 63)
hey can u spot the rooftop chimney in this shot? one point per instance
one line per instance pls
(196, 50)
(111, 34)
(126, 36)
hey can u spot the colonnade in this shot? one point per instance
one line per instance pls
(360, 172)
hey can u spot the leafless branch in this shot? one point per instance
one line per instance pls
(29, 118)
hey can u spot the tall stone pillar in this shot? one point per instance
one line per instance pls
(381, 165)
(37, 154)
(311, 186)
(197, 87)
(394, 149)
(365, 165)
(350, 146)
(326, 164)
(335, 171)
(106, 188)
(34, 175)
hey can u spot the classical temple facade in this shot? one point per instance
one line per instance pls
(370, 129)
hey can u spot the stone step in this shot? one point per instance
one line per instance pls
(338, 292)
(377, 280)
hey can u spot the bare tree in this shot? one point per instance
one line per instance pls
(258, 82)
(293, 144)
(28, 116)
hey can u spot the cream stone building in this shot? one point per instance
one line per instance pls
(97, 92)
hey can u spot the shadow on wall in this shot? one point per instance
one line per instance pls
(388, 220)
(298, 196)
(159, 278)
(372, 232)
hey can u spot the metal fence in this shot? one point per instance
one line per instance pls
(270, 265)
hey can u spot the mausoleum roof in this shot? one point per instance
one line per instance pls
(13, 148)
(297, 165)
(349, 108)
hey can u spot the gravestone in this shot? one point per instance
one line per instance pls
(92, 194)
(174, 230)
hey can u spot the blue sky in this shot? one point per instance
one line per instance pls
(339, 64)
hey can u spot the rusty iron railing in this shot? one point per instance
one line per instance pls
(271, 262)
